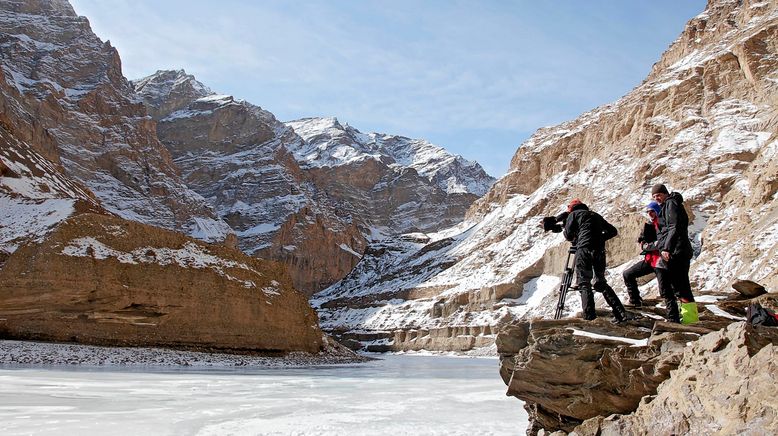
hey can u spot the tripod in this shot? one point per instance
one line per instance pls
(567, 280)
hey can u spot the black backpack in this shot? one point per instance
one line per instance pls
(758, 315)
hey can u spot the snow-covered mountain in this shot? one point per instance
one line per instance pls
(68, 99)
(311, 202)
(82, 175)
(330, 144)
(704, 122)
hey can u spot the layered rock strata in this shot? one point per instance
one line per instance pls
(63, 94)
(78, 153)
(235, 155)
(311, 202)
(725, 384)
(102, 280)
(572, 373)
(392, 183)
(703, 122)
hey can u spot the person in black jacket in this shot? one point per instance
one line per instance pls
(650, 258)
(672, 271)
(588, 232)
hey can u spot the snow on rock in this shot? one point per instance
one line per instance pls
(190, 255)
(64, 95)
(24, 220)
(331, 144)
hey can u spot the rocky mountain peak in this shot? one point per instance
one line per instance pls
(167, 91)
(330, 143)
(39, 7)
(64, 96)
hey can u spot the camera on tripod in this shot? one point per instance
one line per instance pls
(555, 223)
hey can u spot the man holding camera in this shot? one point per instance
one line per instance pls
(588, 232)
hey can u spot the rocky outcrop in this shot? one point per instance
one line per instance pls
(102, 280)
(725, 384)
(574, 374)
(62, 92)
(703, 122)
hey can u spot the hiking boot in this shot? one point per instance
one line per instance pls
(635, 304)
(626, 317)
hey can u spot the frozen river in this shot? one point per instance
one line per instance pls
(397, 395)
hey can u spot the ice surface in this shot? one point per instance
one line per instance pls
(396, 395)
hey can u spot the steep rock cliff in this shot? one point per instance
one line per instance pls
(235, 155)
(78, 153)
(63, 94)
(646, 376)
(104, 280)
(311, 202)
(392, 183)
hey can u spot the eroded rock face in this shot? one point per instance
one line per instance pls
(391, 182)
(725, 384)
(311, 202)
(593, 377)
(235, 155)
(703, 122)
(565, 378)
(63, 93)
(102, 280)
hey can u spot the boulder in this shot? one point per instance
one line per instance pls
(569, 370)
(749, 289)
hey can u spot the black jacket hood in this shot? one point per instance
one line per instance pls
(676, 196)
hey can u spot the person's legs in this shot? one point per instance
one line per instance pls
(663, 279)
(679, 277)
(583, 273)
(631, 275)
(601, 285)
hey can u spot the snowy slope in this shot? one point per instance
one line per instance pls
(331, 144)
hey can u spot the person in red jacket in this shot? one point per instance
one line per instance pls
(646, 265)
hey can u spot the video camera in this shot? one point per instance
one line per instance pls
(555, 223)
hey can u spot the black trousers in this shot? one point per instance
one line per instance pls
(590, 265)
(674, 283)
(631, 276)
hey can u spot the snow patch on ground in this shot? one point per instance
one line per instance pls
(30, 220)
(634, 342)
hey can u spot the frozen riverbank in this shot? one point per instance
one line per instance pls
(395, 395)
(41, 353)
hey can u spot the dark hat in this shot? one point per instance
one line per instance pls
(656, 189)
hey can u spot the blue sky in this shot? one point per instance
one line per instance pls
(474, 77)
